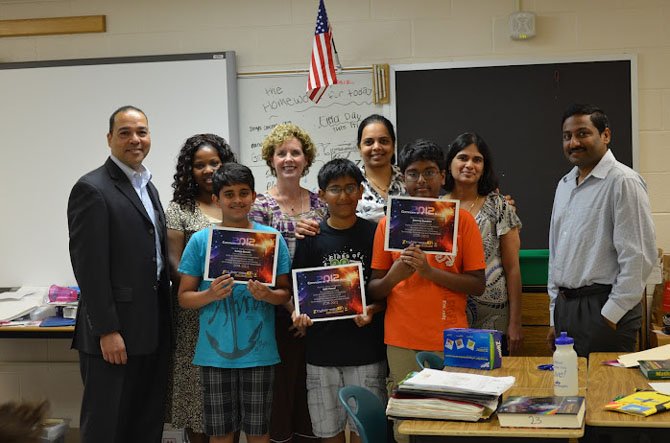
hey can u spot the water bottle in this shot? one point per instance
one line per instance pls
(565, 367)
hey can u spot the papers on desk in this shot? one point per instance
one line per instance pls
(15, 304)
(661, 387)
(435, 394)
(658, 353)
(458, 382)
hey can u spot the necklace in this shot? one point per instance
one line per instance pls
(381, 189)
(287, 205)
(473, 204)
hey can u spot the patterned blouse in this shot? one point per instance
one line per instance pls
(266, 211)
(372, 205)
(491, 309)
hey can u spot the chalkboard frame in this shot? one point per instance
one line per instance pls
(435, 101)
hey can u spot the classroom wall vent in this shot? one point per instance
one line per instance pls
(522, 25)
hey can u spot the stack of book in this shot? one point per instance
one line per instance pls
(442, 395)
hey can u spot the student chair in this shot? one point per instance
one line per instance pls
(434, 361)
(368, 413)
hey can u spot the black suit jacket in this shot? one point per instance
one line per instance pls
(113, 254)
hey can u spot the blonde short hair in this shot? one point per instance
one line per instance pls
(281, 133)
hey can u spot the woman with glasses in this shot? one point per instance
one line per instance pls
(289, 152)
(191, 210)
(472, 180)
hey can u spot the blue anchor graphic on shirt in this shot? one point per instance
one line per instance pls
(237, 352)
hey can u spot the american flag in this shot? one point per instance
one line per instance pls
(322, 64)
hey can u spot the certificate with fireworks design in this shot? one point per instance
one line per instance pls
(329, 292)
(430, 223)
(245, 254)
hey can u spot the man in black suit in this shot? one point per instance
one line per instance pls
(123, 330)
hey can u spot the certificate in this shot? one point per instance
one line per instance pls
(430, 223)
(329, 292)
(245, 254)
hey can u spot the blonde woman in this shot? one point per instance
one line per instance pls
(288, 152)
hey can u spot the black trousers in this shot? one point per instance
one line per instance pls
(126, 403)
(577, 312)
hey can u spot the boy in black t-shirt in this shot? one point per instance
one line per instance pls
(341, 352)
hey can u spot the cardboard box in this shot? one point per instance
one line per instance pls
(472, 348)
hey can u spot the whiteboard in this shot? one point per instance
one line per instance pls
(267, 99)
(53, 120)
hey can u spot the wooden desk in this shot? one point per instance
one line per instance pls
(36, 332)
(529, 381)
(605, 383)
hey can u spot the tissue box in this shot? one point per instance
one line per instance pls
(472, 348)
(54, 430)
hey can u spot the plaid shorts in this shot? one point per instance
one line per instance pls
(237, 398)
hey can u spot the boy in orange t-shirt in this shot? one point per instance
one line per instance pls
(425, 294)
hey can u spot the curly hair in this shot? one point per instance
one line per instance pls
(184, 185)
(281, 133)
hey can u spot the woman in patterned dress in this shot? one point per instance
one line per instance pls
(472, 180)
(288, 152)
(191, 210)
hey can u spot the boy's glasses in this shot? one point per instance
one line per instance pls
(412, 176)
(337, 190)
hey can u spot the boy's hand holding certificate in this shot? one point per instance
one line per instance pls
(429, 223)
(330, 292)
(244, 254)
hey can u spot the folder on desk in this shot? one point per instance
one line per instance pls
(658, 353)
(57, 321)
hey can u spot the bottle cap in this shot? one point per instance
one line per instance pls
(563, 339)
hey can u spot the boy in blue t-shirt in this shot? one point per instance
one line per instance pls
(236, 346)
(341, 352)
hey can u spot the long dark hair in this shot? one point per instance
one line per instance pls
(489, 180)
(184, 185)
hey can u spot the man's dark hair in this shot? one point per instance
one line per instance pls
(338, 168)
(124, 109)
(232, 174)
(419, 150)
(597, 115)
(488, 182)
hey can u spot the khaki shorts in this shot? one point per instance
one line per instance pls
(323, 384)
